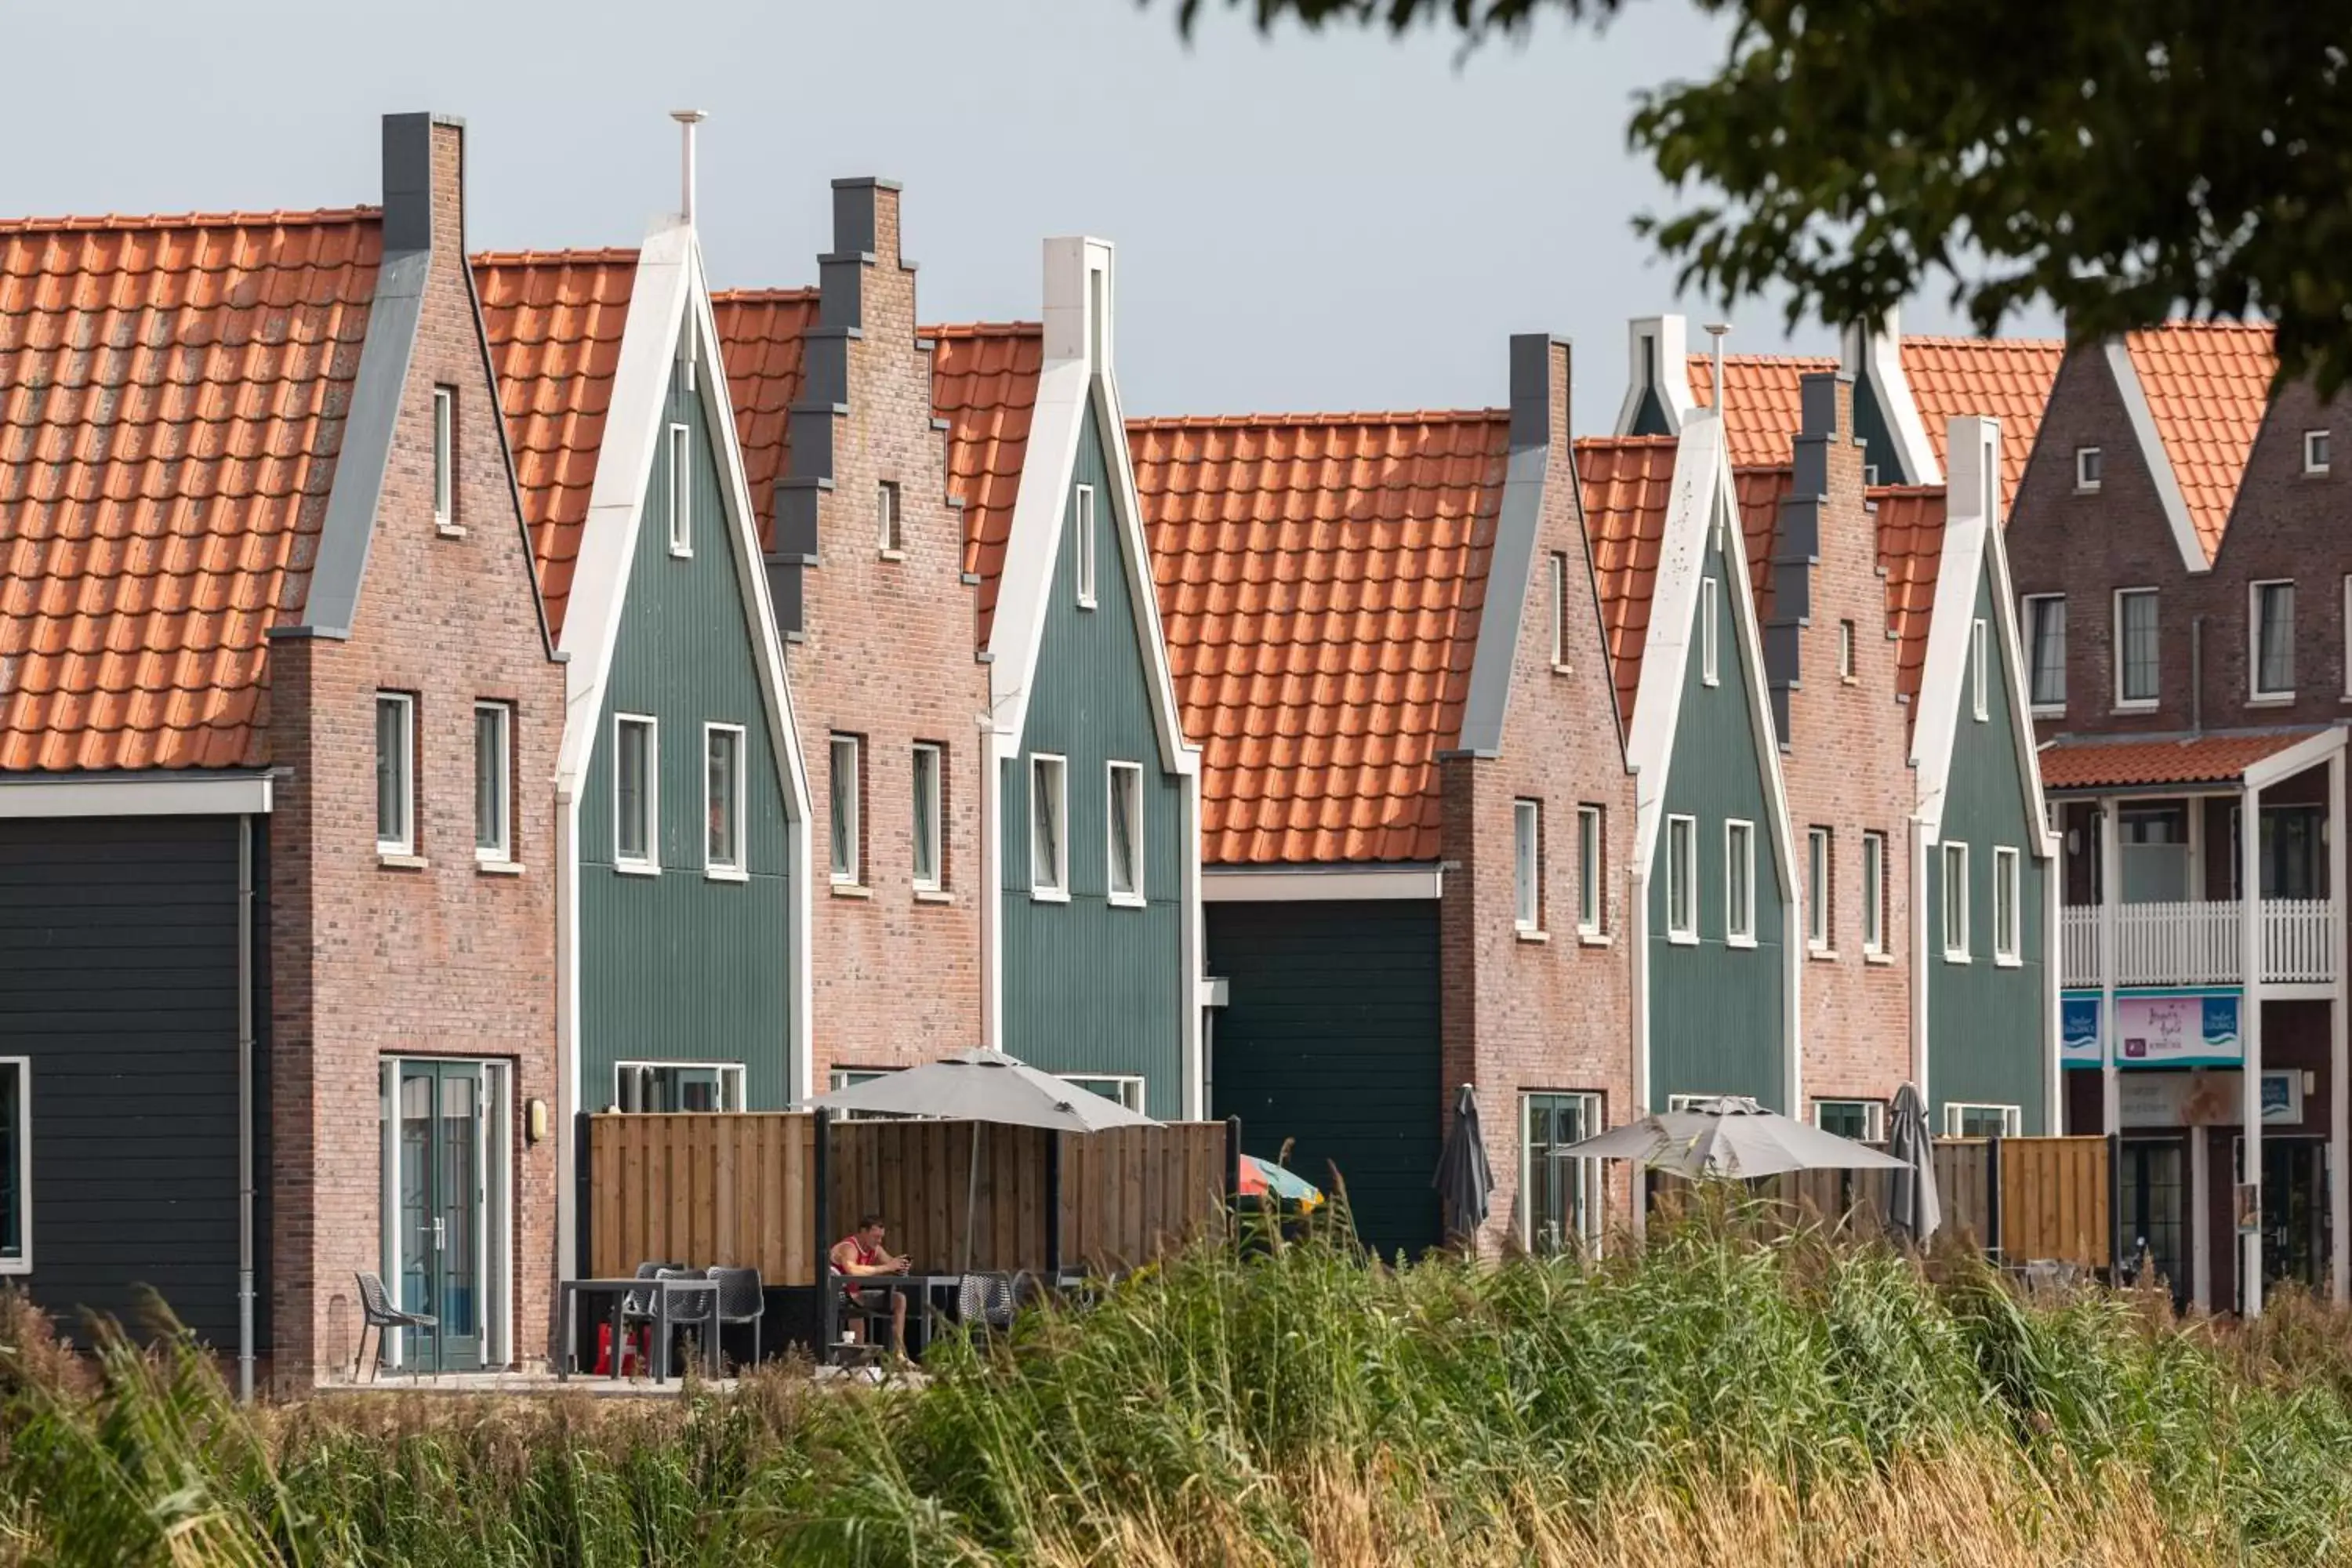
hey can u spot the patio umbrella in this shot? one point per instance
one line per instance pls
(1462, 1180)
(1731, 1137)
(1265, 1179)
(1912, 1201)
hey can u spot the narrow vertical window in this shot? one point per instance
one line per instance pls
(2005, 879)
(845, 759)
(1682, 878)
(1589, 915)
(1977, 670)
(928, 774)
(888, 523)
(1082, 514)
(444, 456)
(1818, 879)
(493, 782)
(1845, 650)
(1558, 577)
(1874, 892)
(681, 494)
(395, 772)
(1126, 834)
(2045, 635)
(722, 799)
(1707, 669)
(2272, 613)
(1527, 865)
(1740, 882)
(16, 1165)
(2136, 667)
(635, 784)
(1956, 904)
(1049, 852)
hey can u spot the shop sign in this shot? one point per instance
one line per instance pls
(2155, 1028)
(2205, 1098)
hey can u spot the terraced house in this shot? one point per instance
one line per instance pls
(278, 985)
(1416, 809)
(2181, 581)
(682, 814)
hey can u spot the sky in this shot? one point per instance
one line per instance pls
(1305, 223)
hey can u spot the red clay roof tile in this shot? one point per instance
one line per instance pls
(2208, 386)
(2098, 762)
(1320, 581)
(1911, 554)
(760, 334)
(2008, 379)
(1627, 483)
(1760, 493)
(1765, 411)
(984, 385)
(172, 400)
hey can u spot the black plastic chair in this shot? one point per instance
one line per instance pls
(380, 1314)
(691, 1311)
(741, 1300)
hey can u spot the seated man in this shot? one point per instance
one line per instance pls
(860, 1253)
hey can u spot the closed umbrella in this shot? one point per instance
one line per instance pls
(1912, 1201)
(1462, 1180)
(1733, 1137)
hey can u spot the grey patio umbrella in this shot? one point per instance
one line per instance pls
(1731, 1137)
(1462, 1180)
(1913, 1205)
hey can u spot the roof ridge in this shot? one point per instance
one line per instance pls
(1646, 441)
(602, 253)
(1975, 340)
(1363, 416)
(279, 217)
(979, 329)
(762, 296)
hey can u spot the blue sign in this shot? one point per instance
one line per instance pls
(2176, 1028)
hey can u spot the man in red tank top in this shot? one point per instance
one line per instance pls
(861, 1253)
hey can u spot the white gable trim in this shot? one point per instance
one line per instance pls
(1876, 354)
(149, 792)
(1657, 358)
(2159, 461)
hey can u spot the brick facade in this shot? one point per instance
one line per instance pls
(370, 959)
(886, 654)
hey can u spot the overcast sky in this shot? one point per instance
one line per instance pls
(1304, 223)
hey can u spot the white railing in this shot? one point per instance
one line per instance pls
(2198, 943)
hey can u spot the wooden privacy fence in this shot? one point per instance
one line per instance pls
(742, 1188)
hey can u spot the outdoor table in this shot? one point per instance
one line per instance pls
(620, 1290)
(924, 1287)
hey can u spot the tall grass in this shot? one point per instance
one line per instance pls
(1708, 1398)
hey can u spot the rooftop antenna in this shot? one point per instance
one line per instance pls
(1718, 331)
(688, 119)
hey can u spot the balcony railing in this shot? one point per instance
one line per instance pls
(2199, 943)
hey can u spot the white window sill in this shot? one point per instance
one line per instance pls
(1745, 942)
(725, 874)
(1049, 895)
(1683, 938)
(2091, 489)
(1821, 954)
(1979, 716)
(2058, 709)
(1593, 939)
(2270, 699)
(1563, 669)
(1870, 957)
(2138, 705)
(2010, 962)
(16, 1266)
(852, 890)
(400, 860)
(886, 553)
(1128, 902)
(1849, 680)
(636, 868)
(498, 866)
(1529, 933)
(445, 528)
(933, 895)
(681, 552)
(1711, 680)
(1086, 601)
(1951, 957)
(2319, 473)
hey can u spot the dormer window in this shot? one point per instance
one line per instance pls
(2315, 451)
(2087, 466)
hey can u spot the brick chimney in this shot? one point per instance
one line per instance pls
(424, 184)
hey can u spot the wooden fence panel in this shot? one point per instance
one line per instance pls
(2054, 1200)
(702, 1189)
(1962, 1167)
(1133, 1193)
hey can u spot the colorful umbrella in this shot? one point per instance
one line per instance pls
(1265, 1179)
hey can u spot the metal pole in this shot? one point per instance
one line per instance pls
(827, 1291)
(2339, 1084)
(2250, 1032)
(2108, 822)
(244, 1120)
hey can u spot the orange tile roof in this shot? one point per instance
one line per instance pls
(2008, 379)
(1321, 580)
(1759, 492)
(760, 334)
(2097, 762)
(1628, 485)
(1911, 554)
(171, 401)
(2208, 386)
(984, 385)
(554, 319)
(1766, 411)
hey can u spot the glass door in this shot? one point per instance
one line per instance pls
(442, 1209)
(2153, 1197)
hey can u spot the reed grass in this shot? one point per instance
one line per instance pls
(1713, 1396)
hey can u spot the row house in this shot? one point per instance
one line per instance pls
(2184, 601)
(277, 704)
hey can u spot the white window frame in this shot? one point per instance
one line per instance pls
(838, 1079)
(1956, 887)
(1527, 866)
(1710, 670)
(2122, 652)
(445, 457)
(889, 520)
(21, 1262)
(650, 861)
(1739, 849)
(2090, 468)
(1874, 1117)
(2256, 690)
(2035, 604)
(1588, 1185)
(1057, 889)
(1130, 1086)
(739, 870)
(935, 842)
(1678, 1103)
(845, 871)
(681, 491)
(1133, 898)
(1082, 514)
(2317, 450)
(728, 1073)
(1846, 650)
(1956, 1111)
(2008, 914)
(1977, 695)
(1873, 894)
(501, 853)
(404, 841)
(1681, 877)
(1559, 575)
(1592, 847)
(1821, 873)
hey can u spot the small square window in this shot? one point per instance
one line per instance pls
(845, 759)
(493, 782)
(636, 782)
(1126, 834)
(2315, 451)
(444, 456)
(1124, 1088)
(1082, 514)
(888, 522)
(681, 493)
(2087, 468)
(671, 1087)
(395, 772)
(1983, 1120)
(722, 800)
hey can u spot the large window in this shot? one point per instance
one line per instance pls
(395, 772)
(1560, 1195)
(1124, 1088)
(444, 456)
(2136, 667)
(1874, 894)
(1049, 848)
(1821, 883)
(1126, 834)
(1956, 902)
(2006, 881)
(1682, 878)
(846, 765)
(1709, 666)
(636, 783)
(2045, 636)
(1082, 512)
(493, 782)
(1739, 883)
(1863, 1120)
(16, 1165)
(722, 800)
(929, 773)
(677, 1086)
(2270, 611)
(1592, 914)
(681, 493)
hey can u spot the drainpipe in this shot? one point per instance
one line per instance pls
(2249, 1036)
(2197, 675)
(2339, 1090)
(1638, 1014)
(245, 1131)
(567, 1039)
(1919, 970)
(990, 896)
(2111, 880)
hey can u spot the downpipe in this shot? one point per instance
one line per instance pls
(245, 1139)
